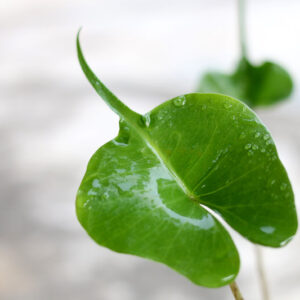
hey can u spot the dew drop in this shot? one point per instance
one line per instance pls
(96, 183)
(233, 117)
(105, 195)
(227, 278)
(248, 146)
(250, 153)
(267, 229)
(122, 141)
(286, 241)
(227, 105)
(268, 142)
(266, 137)
(85, 204)
(283, 186)
(160, 115)
(179, 101)
(254, 147)
(146, 120)
(257, 134)
(273, 181)
(263, 150)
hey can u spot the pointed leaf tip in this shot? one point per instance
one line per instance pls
(111, 100)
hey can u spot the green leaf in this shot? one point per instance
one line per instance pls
(148, 191)
(255, 85)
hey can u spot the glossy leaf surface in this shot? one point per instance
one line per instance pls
(255, 85)
(146, 191)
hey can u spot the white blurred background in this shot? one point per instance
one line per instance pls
(51, 122)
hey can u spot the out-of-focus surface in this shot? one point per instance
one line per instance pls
(51, 122)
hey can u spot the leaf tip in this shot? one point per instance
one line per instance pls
(78, 32)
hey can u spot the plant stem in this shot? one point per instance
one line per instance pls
(261, 273)
(235, 291)
(242, 27)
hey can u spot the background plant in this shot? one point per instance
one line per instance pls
(256, 85)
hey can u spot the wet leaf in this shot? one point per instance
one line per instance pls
(261, 85)
(153, 191)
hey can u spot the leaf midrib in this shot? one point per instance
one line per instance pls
(164, 161)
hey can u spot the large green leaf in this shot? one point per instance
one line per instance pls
(261, 85)
(147, 192)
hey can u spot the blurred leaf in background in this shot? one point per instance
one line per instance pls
(256, 85)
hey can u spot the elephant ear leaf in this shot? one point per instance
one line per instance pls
(261, 85)
(152, 191)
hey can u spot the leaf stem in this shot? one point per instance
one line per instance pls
(261, 273)
(242, 27)
(235, 291)
(111, 100)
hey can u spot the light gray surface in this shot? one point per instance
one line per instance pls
(51, 122)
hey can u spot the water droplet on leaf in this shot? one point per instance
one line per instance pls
(267, 229)
(257, 134)
(283, 186)
(286, 241)
(96, 183)
(268, 142)
(179, 101)
(227, 105)
(248, 146)
(146, 120)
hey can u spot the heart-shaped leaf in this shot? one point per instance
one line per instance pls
(147, 192)
(261, 85)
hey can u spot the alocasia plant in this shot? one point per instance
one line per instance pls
(153, 191)
(260, 85)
